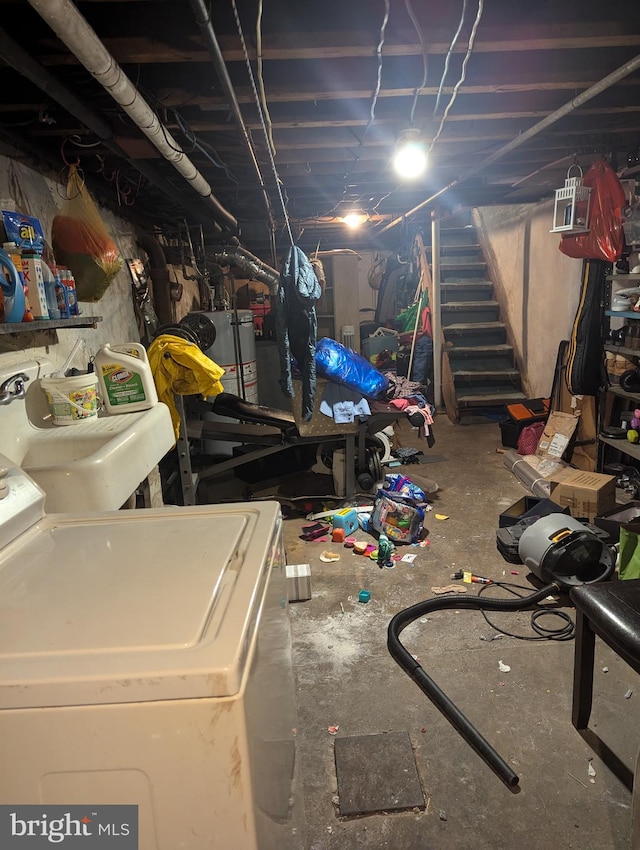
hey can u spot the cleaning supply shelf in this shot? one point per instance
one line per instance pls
(49, 324)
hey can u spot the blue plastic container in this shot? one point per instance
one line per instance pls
(11, 290)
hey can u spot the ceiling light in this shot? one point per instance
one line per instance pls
(410, 157)
(355, 218)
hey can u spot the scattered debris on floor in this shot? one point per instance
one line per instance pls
(449, 588)
(327, 557)
(333, 730)
(504, 668)
(628, 694)
(442, 815)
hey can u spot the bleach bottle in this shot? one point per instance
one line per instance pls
(125, 379)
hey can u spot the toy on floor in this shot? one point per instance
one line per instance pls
(385, 550)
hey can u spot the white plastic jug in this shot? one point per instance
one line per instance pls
(124, 374)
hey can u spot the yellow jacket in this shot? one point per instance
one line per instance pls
(178, 366)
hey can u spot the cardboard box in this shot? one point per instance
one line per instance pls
(529, 507)
(611, 521)
(34, 279)
(557, 436)
(298, 582)
(586, 494)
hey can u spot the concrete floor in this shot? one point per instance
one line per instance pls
(346, 677)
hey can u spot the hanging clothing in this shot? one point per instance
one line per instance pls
(297, 325)
(343, 404)
(178, 366)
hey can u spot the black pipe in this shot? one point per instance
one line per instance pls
(203, 19)
(437, 696)
(159, 274)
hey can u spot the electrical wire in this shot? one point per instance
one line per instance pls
(372, 108)
(448, 56)
(425, 59)
(264, 125)
(565, 632)
(263, 96)
(463, 73)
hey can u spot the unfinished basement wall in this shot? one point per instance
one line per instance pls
(42, 197)
(537, 287)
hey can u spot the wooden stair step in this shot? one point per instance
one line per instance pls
(485, 374)
(470, 305)
(467, 283)
(475, 326)
(456, 247)
(485, 350)
(488, 399)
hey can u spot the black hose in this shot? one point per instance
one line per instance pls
(437, 696)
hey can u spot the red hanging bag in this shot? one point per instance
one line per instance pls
(605, 239)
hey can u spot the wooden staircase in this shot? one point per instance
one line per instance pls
(481, 362)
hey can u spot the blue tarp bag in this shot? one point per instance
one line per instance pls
(344, 366)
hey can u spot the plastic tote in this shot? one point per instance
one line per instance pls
(71, 400)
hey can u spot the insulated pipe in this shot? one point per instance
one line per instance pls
(73, 29)
(612, 78)
(203, 19)
(255, 268)
(21, 61)
(437, 696)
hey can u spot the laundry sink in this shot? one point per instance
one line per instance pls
(93, 465)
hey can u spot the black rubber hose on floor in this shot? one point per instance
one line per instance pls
(437, 696)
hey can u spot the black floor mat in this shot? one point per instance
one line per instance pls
(377, 773)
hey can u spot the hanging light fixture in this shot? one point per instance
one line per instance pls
(354, 218)
(410, 156)
(571, 207)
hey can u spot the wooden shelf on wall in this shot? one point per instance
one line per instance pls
(49, 324)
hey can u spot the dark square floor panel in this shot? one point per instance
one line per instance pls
(377, 773)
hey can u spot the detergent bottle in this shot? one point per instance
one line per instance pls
(125, 379)
(12, 290)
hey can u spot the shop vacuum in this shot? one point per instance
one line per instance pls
(560, 551)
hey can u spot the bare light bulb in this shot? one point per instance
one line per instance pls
(410, 159)
(354, 219)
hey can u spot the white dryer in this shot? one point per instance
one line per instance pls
(145, 658)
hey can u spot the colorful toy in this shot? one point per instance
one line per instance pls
(385, 550)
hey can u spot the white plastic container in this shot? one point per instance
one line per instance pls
(71, 400)
(125, 378)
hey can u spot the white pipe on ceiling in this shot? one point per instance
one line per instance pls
(74, 30)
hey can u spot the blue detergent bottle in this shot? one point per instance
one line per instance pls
(12, 290)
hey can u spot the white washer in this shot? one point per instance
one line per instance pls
(145, 658)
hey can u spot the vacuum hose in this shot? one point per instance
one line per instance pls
(437, 696)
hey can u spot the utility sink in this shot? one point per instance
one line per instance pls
(94, 465)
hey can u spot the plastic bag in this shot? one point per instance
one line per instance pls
(344, 366)
(397, 517)
(629, 565)
(82, 243)
(605, 239)
(404, 486)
